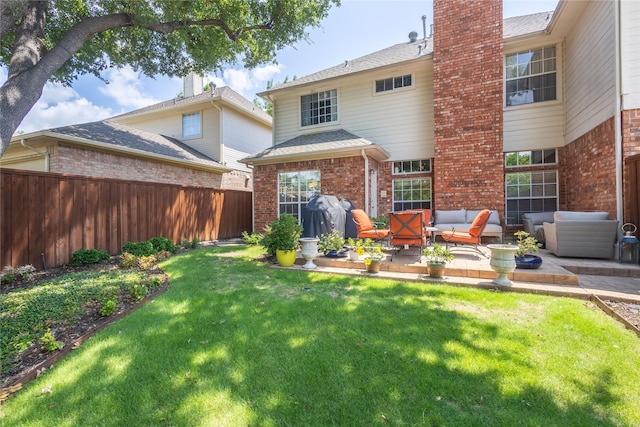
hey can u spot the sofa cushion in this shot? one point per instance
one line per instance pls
(494, 218)
(579, 216)
(450, 217)
(537, 218)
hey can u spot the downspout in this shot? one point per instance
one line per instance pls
(366, 181)
(45, 154)
(618, 117)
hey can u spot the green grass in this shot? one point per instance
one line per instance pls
(233, 342)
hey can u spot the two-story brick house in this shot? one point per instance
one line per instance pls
(532, 113)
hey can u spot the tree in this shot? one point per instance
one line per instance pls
(267, 106)
(59, 40)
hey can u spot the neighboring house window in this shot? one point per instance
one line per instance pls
(530, 76)
(414, 193)
(530, 191)
(295, 189)
(318, 108)
(412, 166)
(191, 126)
(393, 83)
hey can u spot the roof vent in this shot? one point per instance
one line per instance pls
(413, 36)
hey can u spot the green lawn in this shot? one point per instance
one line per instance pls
(234, 342)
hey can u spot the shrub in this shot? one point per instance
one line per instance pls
(252, 239)
(10, 274)
(49, 342)
(88, 256)
(139, 248)
(138, 291)
(163, 244)
(282, 233)
(128, 260)
(108, 307)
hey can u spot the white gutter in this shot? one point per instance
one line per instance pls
(45, 154)
(366, 180)
(617, 116)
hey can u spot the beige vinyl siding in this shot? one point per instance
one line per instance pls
(27, 162)
(401, 121)
(534, 126)
(630, 40)
(589, 77)
(171, 125)
(242, 137)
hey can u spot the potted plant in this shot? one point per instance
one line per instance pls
(527, 247)
(356, 248)
(332, 244)
(373, 255)
(437, 258)
(281, 239)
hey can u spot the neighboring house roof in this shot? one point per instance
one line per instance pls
(224, 94)
(527, 24)
(402, 52)
(392, 55)
(116, 136)
(330, 144)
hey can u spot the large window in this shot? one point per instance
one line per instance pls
(295, 189)
(318, 108)
(414, 193)
(530, 76)
(191, 126)
(533, 191)
(392, 83)
(529, 158)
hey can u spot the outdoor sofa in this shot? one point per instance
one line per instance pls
(581, 234)
(461, 219)
(533, 224)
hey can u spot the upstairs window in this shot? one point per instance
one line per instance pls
(412, 166)
(394, 83)
(530, 76)
(318, 108)
(191, 125)
(530, 158)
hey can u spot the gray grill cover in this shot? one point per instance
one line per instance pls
(322, 215)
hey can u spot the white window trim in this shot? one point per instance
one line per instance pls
(393, 193)
(193, 113)
(393, 171)
(538, 165)
(394, 90)
(319, 125)
(559, 77)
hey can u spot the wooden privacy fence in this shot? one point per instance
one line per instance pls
(46, 217)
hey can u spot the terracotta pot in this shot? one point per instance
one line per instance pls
(374, 267)
(436, 270)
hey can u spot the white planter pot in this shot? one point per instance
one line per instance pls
(503, 262)
(309, 250)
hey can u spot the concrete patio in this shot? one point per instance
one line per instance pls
(581, 278)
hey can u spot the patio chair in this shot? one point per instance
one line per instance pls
(366, 228)
(407, 229)
(472, 237)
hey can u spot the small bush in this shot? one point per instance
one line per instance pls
(49, 342)
(163, 244)
(139, 248)
(252, 239)
(128, 260)
(108, 307)
(88, 256)
(190, 244)
(11, 274)
(138, 291)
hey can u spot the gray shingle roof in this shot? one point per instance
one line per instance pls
(223, 93)
(330, 144)
(512, 27)
(522, 25)
(123, 136)
(395, 54)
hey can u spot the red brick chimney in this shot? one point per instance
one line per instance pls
(467, 85)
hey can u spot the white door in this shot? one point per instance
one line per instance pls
(374, 193)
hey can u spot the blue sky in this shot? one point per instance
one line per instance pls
(355, 29)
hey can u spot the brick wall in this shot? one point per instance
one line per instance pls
(341, 177)
(468, 125)
(76, 161)
(589, 171)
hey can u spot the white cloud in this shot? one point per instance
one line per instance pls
(248, 82)
(61, 106)
(126, 88)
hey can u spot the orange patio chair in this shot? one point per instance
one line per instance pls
(471, 238)
(407, 229)
(367, 229)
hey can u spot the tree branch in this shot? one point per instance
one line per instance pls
(168, 27)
